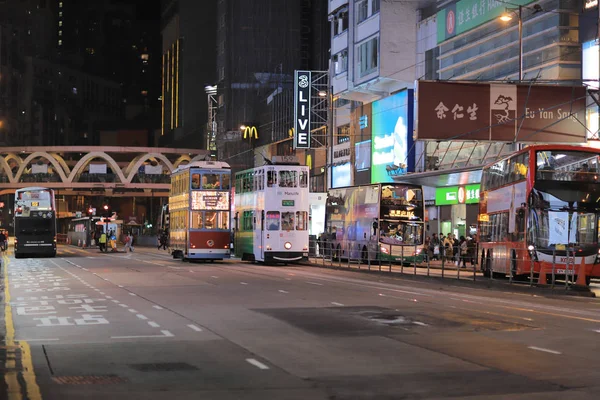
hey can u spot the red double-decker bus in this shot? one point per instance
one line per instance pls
(539, 208)
(199, 211)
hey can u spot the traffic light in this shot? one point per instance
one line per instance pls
(90, 210)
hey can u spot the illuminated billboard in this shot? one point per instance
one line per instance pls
(392, 136)
(210, 200)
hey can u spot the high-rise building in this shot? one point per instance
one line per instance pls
(188, 66)
(259, 45)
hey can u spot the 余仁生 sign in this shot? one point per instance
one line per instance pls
(501, 112)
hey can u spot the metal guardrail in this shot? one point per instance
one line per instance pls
(454, 267)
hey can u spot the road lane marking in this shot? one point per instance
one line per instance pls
(123, 305)
(420, 323)
(216, 277)
(544, 350)
(120, 286)
(137, 337)
(158, 307)
(282, 291)
(21, 381)
(108, 297)
(191, 270)
(243, 283)
(314, 283)
(256, 363)
(115, 301)
(167, 333)
(141, 316)
(336, 304)
(194, 327)
(131, 310)
(37, 340)
(153, 324)
(132, 294)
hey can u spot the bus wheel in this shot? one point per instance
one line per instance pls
(365, 255)
(588, 280)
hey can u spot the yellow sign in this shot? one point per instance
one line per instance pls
(484, 218)
(249, 130)
(402, 214)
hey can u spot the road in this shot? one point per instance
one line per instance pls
(144, 326)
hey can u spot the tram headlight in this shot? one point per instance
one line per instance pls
(597, 260)
(287, 245)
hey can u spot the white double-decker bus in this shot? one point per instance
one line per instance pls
(271, 212)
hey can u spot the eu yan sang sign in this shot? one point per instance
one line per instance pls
(501, 112)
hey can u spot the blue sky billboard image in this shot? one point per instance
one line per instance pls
(392, 136)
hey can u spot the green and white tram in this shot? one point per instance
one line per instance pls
(271, 212)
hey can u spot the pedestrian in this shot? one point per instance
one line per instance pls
(463, 246)
(448, 247)
(102, 242)
(472, 249)
(162, 240)
(2, 241)
(434, 246)
(113, 241)
(128, 243)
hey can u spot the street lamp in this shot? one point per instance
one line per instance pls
(507, 16)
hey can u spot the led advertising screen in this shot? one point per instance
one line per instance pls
(210, 200)
(590, 65)
(341, 175)
(392, 136)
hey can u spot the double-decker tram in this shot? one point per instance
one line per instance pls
(539, 209)
(375, 222)
(271, 212)
(199, 211)
(35, 222)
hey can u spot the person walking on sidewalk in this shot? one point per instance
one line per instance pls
(464, 252)
(128, 243)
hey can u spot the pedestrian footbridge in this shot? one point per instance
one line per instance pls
(93, 170)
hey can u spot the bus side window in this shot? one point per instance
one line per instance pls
(262, 220)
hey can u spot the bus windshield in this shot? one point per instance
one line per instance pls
(558, 221)
(401, 232)
(558, 165)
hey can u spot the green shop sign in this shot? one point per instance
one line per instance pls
(468, 194)
(465, 15)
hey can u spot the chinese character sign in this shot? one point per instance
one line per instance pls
(465, 15)
(501, 112)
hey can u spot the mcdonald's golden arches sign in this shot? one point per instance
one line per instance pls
(249, 131)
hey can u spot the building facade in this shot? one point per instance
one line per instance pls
(375, 62)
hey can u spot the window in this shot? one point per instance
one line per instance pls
(211, 181)
(375, 6)
(287, 221)
(248, 220)
(362, 10)
(343, 134)
(301, 220)
(271, 178)
(303, 179)
(340, 22)
(288, 179)
(197, 220)
(340, 61)
(195, 181)
(225, 178)
(368, 57)
(273, 220)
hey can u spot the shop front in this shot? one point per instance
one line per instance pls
(458, 207)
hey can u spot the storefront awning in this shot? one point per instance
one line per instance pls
(441, 178)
